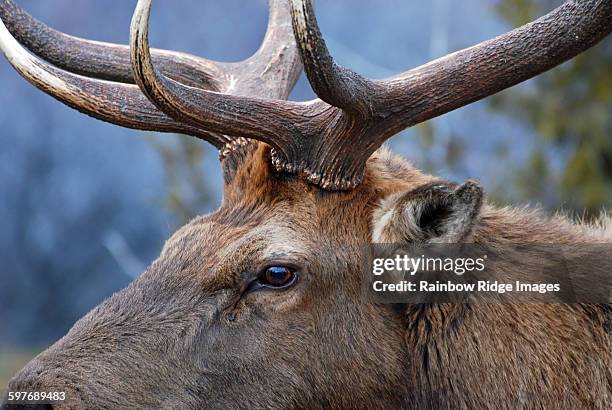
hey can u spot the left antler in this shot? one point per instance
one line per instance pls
(96, 78)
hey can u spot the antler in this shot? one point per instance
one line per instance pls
(374, 110)
(96, 78)
(329, 139)
(263, 119)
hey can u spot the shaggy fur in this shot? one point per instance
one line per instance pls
(189, 334)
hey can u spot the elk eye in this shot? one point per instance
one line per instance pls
(277, 277)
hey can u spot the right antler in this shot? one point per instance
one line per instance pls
(375, 110)
(329, 139)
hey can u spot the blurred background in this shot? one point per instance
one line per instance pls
(85, 206)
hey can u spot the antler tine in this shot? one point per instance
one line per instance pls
(271, 121)
(275, 67)
(474, 73)
(334, 84)
(98, 59)
(117, 103)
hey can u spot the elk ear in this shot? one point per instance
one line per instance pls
(434, 213)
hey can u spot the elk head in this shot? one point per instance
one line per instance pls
(258, 303)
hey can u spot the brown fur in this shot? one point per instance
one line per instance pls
(185, 335)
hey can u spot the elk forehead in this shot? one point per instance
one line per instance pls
(264, 235)
(240, 237)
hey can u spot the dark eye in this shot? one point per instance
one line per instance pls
(277, 277)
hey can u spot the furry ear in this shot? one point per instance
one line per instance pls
(433, 213)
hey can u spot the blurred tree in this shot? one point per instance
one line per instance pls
(569, 108)
(42, 252)
(189, 190)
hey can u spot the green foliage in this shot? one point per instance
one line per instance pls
(569, 108)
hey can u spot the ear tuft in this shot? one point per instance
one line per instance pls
(434, 213)
(470, 193)
(463, 208)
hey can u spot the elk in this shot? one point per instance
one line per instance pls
(258, 304)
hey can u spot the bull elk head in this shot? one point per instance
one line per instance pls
(258, 304)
